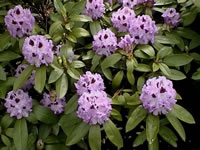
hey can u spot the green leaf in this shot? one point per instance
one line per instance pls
(5, 41)
(182, 114)
(77, 8)
(116, 114)
(117, 79)
(60, 8)
(147, 49)
(72, 38)
(152, 128)
(2, 73)
(77, 64)
(176, 75)
(44, 115)
(95, 137)
(56, 146)
(168, 135)
(130, 64)
(140, 139)
(111, 60)
(6, 121)
(165, 51)
(56, 27)
(66, 50)
(177, 125)
(81, 18)
(135, 118)
(155, 67)
(165, 69)
(77, 134)
(133, 100)
(177, 60)
(20, 134)
(197, 3)
(19, 82)
(165, 40)
(55, 75)
(95, 27)
(143, 68)
(131, 78)
(72, 104)
(113, 133)
(40, 78)
(68, 122)
(80, 32)
(140, 83)
(196, 75)
(62, 86)
(107, 72)
(73, 73)
(8, 56)
(5, 140)
(154, 145)
(95, 62)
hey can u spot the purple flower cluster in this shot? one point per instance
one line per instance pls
(133, 3)
(126, 43)
(89, 82)
(158, 95)
(37, 50)
(54, 103)
(105, 42)
(171, 17)
(30, 82)
(94, 8)
(18, 104)
(19, 21)
(143, 30)
(94, 107)
(121, 19)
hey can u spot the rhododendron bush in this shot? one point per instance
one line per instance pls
(83, 74)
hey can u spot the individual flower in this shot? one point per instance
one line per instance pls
(37, 50)
(143, 30)
(19, 21)
(171, 17)
(94, 8)
(126, 43)
(121, 19)
(30, 82)
(94, 108)
(18, 104)
(105, 42)
(158, 95)
(53, 102)
(133, 3)
(89, 82)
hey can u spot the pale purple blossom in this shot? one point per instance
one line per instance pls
(30, 82)
(171, 17)
(37, 50)
(94, 108)
(19, 21)
(158, 95)
(94, 9)
(121, 19)
(18, 104)
(105, 42)
(89, 82)
(143, 30)
(126, 43)
(133, 3)
(54, 103)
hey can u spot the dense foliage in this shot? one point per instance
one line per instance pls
(84, 73)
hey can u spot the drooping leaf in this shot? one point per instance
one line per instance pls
(111, 60)
(40, 78)
(95, 27)
(62, 86)
(95, 137)
(140, 139)
(117, 79)
(71, 104)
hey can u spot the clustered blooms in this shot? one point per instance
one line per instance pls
(126, 43)
(105, 42)
(19, 21)
(158, 95)
(94, 105)
(133, 3)
(171, 17)
(37, 50)
(54, 103)
(121, 19)
(143, 30)
(30, 82)
(89, 82)
(18, 104)
(94, 8)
